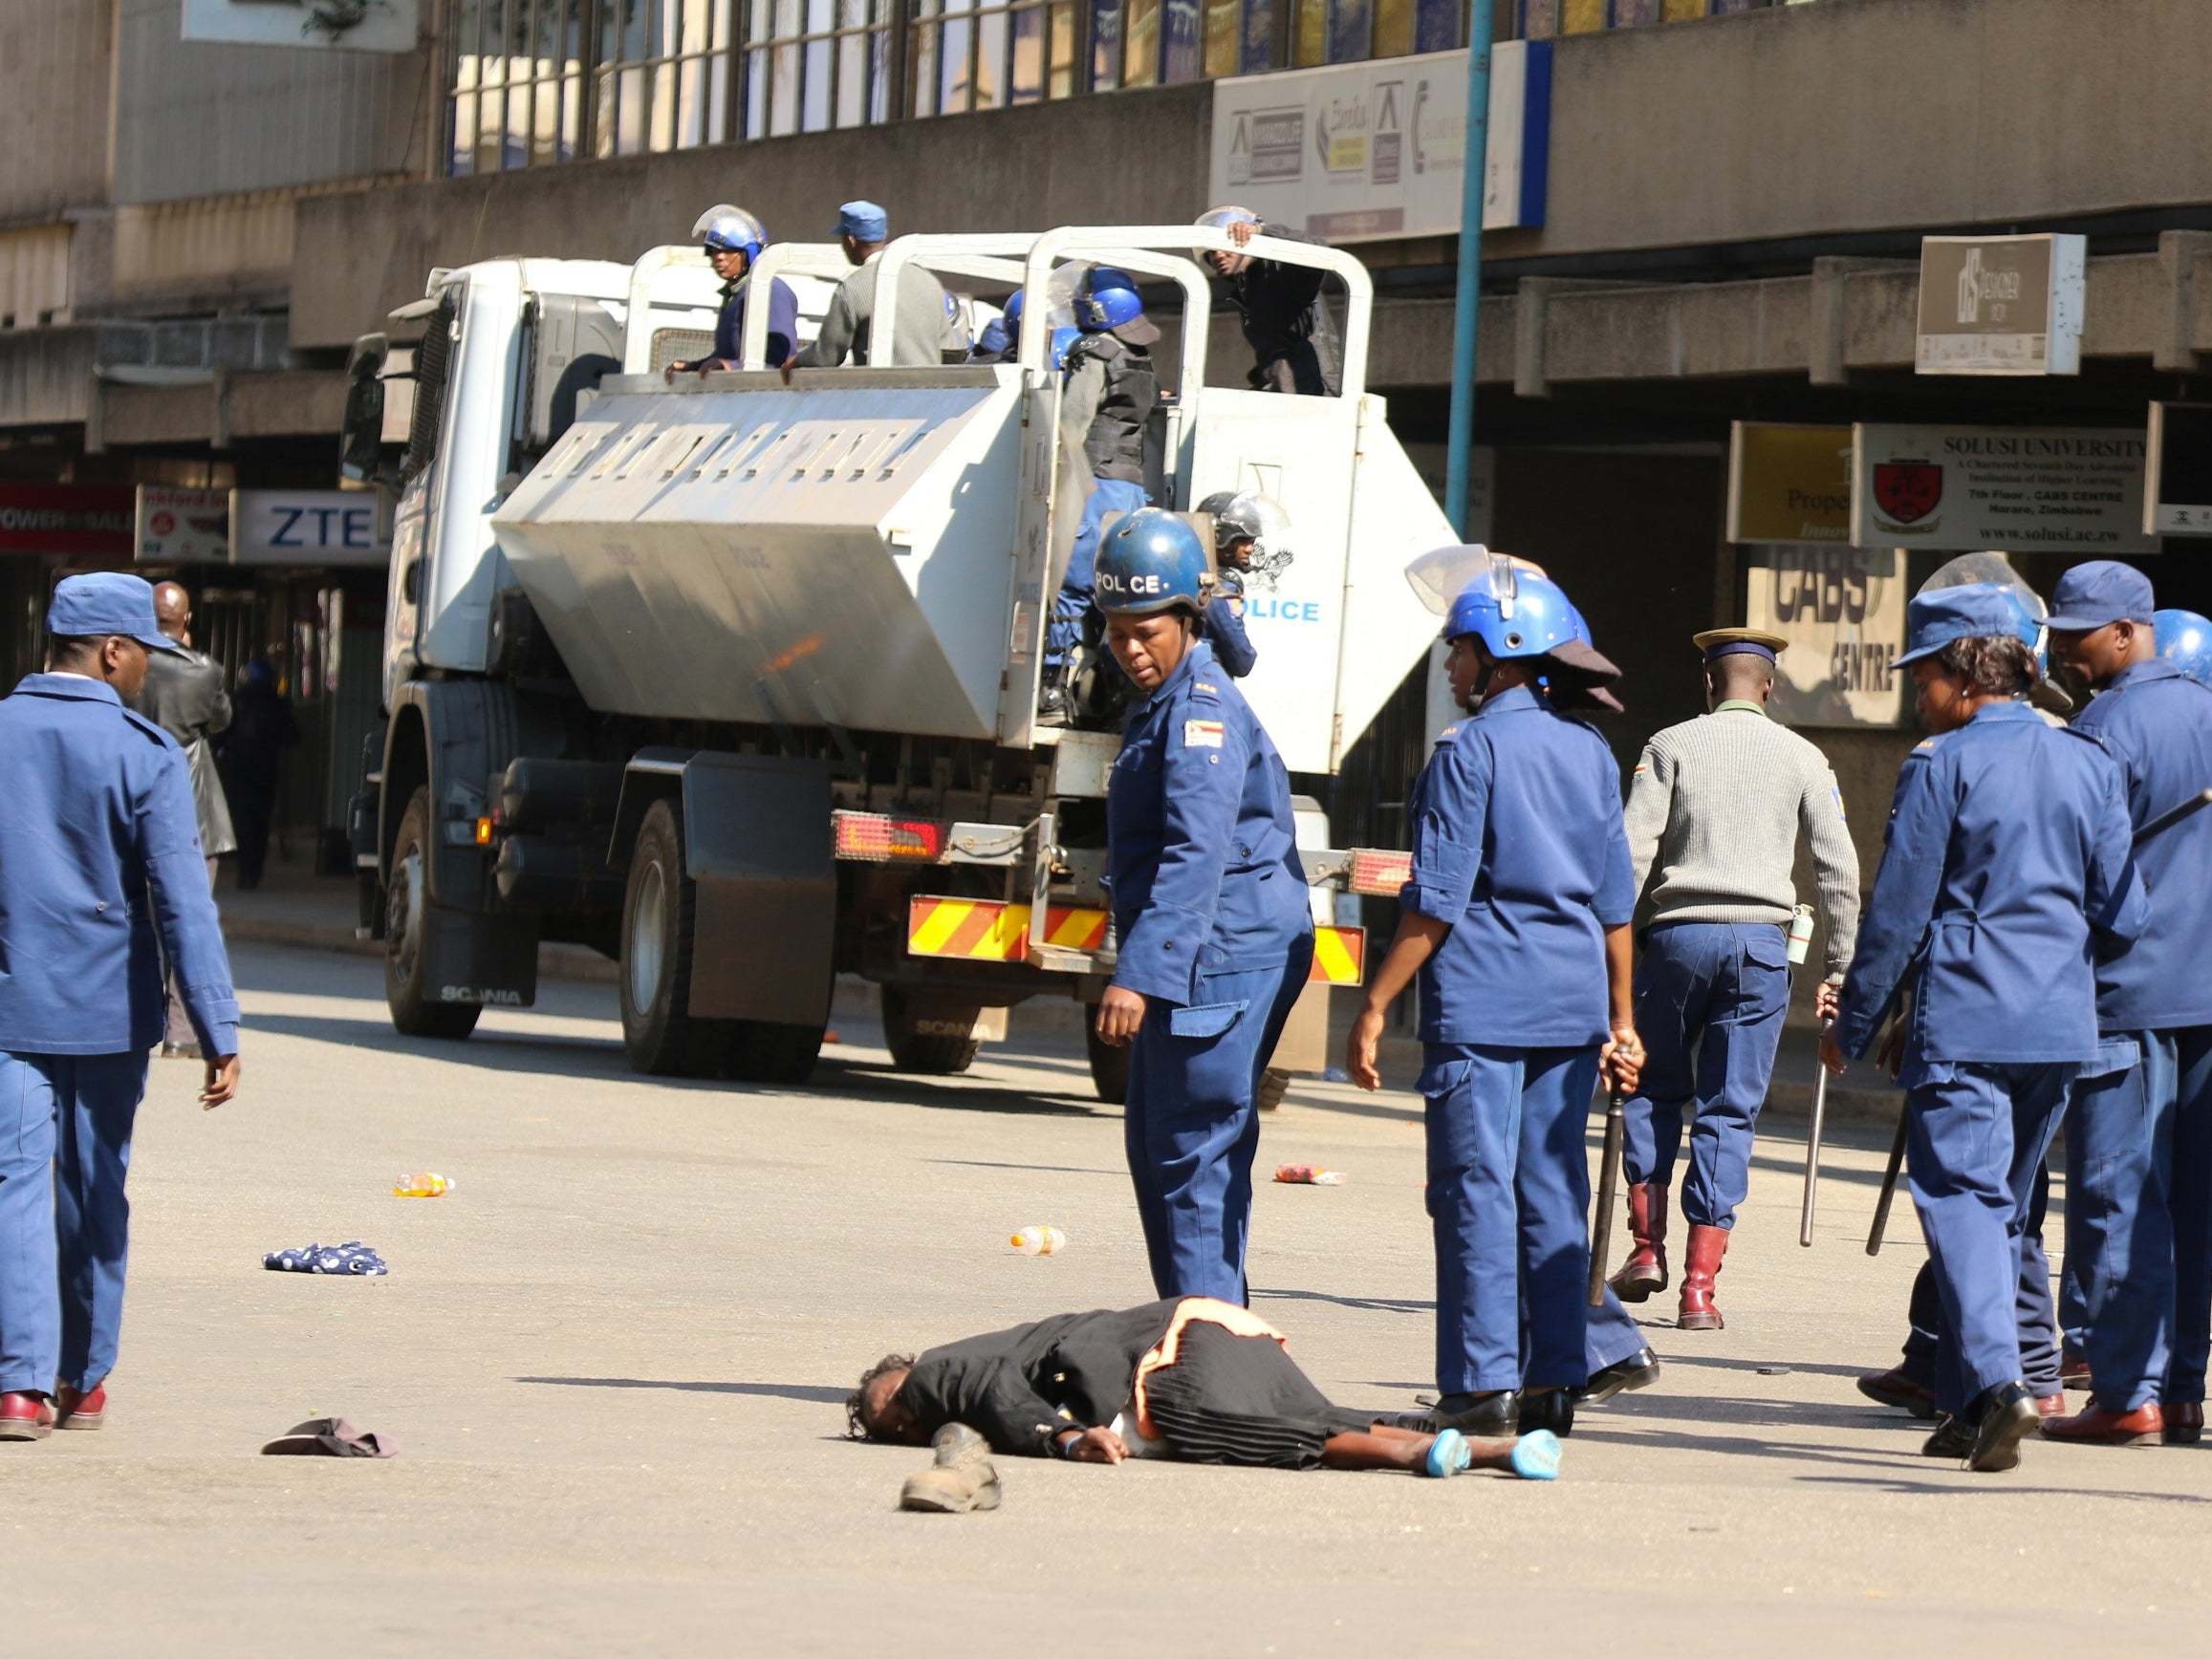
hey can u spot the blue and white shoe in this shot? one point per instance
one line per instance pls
(1448, 1455)
(1536, 1456)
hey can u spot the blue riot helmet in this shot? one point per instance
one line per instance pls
(1011, 311)
(1514, 612)
(728, 229)
(1063, 342)
(996, 340)
(2185, 640)
(1152, 561)
(1109, 299)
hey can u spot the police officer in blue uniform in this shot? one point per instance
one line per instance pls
(1242, 522)
(1110, 392)
(1210, 908)
(2005, 867)
(1516, 920)
(733, 239)
(2140, 1128)
(99, 859)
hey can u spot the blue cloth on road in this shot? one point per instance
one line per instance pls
(1192, 1123)
(100, 874)
(1976, 1137)
(782, 323)
(1518, 846)
(1509, 1196)
(1072, 604)
(352, 1260)
(65, 1149)
(1214, 925)
(1710, 1002)
(2005, 861)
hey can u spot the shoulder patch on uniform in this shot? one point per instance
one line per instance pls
(1209, 690)
(152, 728)
(1202, 734)
(1450, 731)
(1926, 745)
(2086, 735)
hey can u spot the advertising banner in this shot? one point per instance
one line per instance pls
(1843, 611)
(67, 520)
(1789, 483)
(182, 526)
(1359, 151)
(2001, 305)
(2024, 490)
(309, 528)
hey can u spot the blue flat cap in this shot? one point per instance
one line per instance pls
(104, 602)
(2100, 591)
(864, 221)
(1976, 610)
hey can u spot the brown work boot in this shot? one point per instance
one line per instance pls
(961, 1478)
(1646, 1268)
(1708, 1246)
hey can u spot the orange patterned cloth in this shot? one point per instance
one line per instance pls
(1236, 1321)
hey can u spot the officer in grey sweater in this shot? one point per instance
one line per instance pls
(1714, 812)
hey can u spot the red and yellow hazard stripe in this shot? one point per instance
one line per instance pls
(1340, 955)
(984, 929)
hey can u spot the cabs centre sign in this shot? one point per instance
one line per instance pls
(2001, 305)
(1843, 611)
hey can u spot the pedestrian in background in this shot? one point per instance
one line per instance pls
(99, 864)
(2140, 1128)
(262, 728)
(183, 696)
(2006, 869)
(1715, 808)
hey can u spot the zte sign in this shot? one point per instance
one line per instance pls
(306, 528)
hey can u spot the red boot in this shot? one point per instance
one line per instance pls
(1708, 1246)
(1646, 1268)
(25, 1417)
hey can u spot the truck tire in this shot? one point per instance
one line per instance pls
(1109, 1067)
(762, 1052)
(658, 1030)
(416, 1010)
(927, 1051)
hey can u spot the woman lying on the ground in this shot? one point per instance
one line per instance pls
(1191, 1378)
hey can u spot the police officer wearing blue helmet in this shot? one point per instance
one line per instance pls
(1516, 920)
(2139, 1125)
(1105, 405)
(1000, 340)
(101, 879)
(2004, 872)
(2184, 639)
(1210, 908)
(733, 239)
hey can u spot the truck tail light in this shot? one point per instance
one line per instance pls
(877, 838)
(1380, 872)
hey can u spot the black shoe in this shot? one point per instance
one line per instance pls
(1952, 1439)
(1639, 1371)
(2007, 1416)
(1554, 1409)
(1052, 708)
(1494, 1417)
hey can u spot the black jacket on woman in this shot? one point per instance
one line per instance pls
(1020, 1387)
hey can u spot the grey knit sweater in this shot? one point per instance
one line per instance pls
(1716, 804)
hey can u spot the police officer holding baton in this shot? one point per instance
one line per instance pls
(99, 860)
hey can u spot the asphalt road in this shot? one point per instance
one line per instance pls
(613, 1358)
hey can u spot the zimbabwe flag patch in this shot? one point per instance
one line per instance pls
(1202, 734)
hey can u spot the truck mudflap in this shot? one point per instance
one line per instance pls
(989, 931)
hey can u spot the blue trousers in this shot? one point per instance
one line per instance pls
(1710, 1002)
(1975, 1142)
(2038, 1336)
(2140, 1161)
(1072, 603)
(1192, 1123)
(1610, 1335)
(1508, 1195)
(65, 1149)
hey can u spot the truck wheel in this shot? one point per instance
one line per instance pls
(416, 1010)
(1109, 1067)
(1273, 1086)
(762, 1052)
(658, 1030)
(913, 1049)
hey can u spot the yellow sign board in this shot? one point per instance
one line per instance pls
(1789, 483)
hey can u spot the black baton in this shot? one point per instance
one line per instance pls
(1881, 1209)
(1608, 1189)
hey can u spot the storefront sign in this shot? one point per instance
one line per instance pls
(1789, 483)
(358, 25)
(1843, 611)
(2178, 494)
(2000, 304)
(1365, 150)
(307, 527)
(2025, 490)
(69, 520)
(182, 526)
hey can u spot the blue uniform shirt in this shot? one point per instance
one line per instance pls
(100, 854)
(2006, 850)
(1232, 646)
(1202, 862)
(782, 323)
(2156, 723)
(1518, 845)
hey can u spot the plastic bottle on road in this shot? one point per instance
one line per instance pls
(1039, 1240)
(424, 1184)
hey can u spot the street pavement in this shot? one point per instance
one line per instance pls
(614, 1359)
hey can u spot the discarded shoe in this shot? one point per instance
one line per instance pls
(962, 1476)
(329, 1437)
